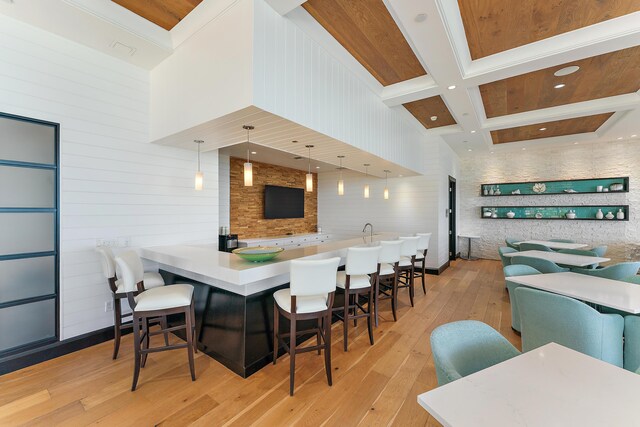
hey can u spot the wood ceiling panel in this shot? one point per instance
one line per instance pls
(493, 26)
(556, 128)
(424, 109)
(165, 13)
(367, 30)
(611, 74)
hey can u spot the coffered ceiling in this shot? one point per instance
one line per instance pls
(431, 112)
(165, 13)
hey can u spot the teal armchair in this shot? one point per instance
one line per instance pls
(600, 250)
(547, 317)
(505, 259)
(578, 252)
(542, 265)
(562, 240)
(615, 272)
(534, 247)
(511, 271)
(465, 347)
(511, 242)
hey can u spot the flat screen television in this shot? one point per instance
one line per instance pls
(283, 202)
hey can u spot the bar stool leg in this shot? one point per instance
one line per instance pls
(345, 323)
(292, 354)
(424, 272)
(410, 283)
(318, 342)
(193, 316)
(189, 334)
(370, 315)
(145, 344)
(276, 321)
(163, 325)
(327, 346)
(376, 297)
(136, 351)
(117, 325)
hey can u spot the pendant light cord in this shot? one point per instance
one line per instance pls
(248, 146)
(309, 159)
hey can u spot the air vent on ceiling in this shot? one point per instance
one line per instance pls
(123, 49)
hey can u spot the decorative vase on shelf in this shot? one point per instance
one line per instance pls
(494, 214)
(620, 214)
(511, 214)
(485, 191)
(609, 215)
(491, 191)
(599, 215)
(571, 214)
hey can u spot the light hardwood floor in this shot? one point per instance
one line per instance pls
(372, 385)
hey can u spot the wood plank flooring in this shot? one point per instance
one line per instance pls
(372, 385)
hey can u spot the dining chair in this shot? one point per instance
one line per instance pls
(562, 240)
(512, 271)
(600, 250)
(467, 346)
(151, 280)
(356, 280)
(387, 278)
(420, 269)
(406, 265)
(505, 259)
(513, 242)
(309, 297)
(147, 304)
(615, 272)
(608, 310)
(581, 252)
(534, 247)
(542, 265)
(546, 317)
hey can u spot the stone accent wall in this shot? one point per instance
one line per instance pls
(586, 160)
(247, 203)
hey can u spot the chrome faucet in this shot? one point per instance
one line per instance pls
(365, 229)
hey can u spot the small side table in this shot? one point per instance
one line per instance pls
(470, 237)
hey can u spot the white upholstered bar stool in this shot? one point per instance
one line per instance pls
(360, 273)
(406, 267)
(387, 278)
(150, 303)
(420, 269)
(151, 280)
(310, 296)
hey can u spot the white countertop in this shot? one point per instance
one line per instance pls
(549, 386)
(206, 264)
(555, 245)
(559, 258)
(609, 293)
(283, 236)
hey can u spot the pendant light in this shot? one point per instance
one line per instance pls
(309, 174)
(199, 175)
(366, 185)
(248, 167)
(340, 180)
(386, 184)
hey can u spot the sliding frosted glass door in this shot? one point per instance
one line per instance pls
(28, 233)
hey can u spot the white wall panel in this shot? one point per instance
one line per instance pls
(113, 182)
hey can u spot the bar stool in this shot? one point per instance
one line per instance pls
(355, 281)
(388, 272)
(310, 296)
(151, 280)
(406, 266)
(157, 302)
(421, 258)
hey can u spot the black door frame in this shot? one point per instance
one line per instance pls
(451, 212)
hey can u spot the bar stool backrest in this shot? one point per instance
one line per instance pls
(423, 242)
(409, 245)
(362, 260)
(108, 261)
(131, 269)
(313, 277)
(389, 251)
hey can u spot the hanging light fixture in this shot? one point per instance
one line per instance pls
(340, 180)
(248, 167)
(386, 184)
(309, 174)
(366, 185)
(199, 175)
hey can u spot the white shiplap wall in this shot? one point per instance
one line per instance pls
(114, 183)
(297, 79)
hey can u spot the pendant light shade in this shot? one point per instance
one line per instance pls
(386, 185)
(340, 180)
(309, 183)
(366, 185)
(199, 181)
(248, 167)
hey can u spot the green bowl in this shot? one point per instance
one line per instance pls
(258, 253)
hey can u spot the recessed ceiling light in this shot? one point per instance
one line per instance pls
(542, 129)
(473, 131)
(451, 87)
(619, 137)
(559, 86)
(434, 118)
(469, 149)
(317, 167)
(253, 152)
(634, 135)
(523, 148)
(400, 176)
(421, 17)
(566, 71)
(492, 152)
(575, 143)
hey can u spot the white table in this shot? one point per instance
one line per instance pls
(470, 237)
(606, 292)
(560, 258)
(555, 245)
(549, 386)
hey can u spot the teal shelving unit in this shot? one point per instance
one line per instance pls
(583, 213)
(573, 186)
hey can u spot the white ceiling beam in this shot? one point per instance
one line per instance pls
(409, 90)
(284, 6)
